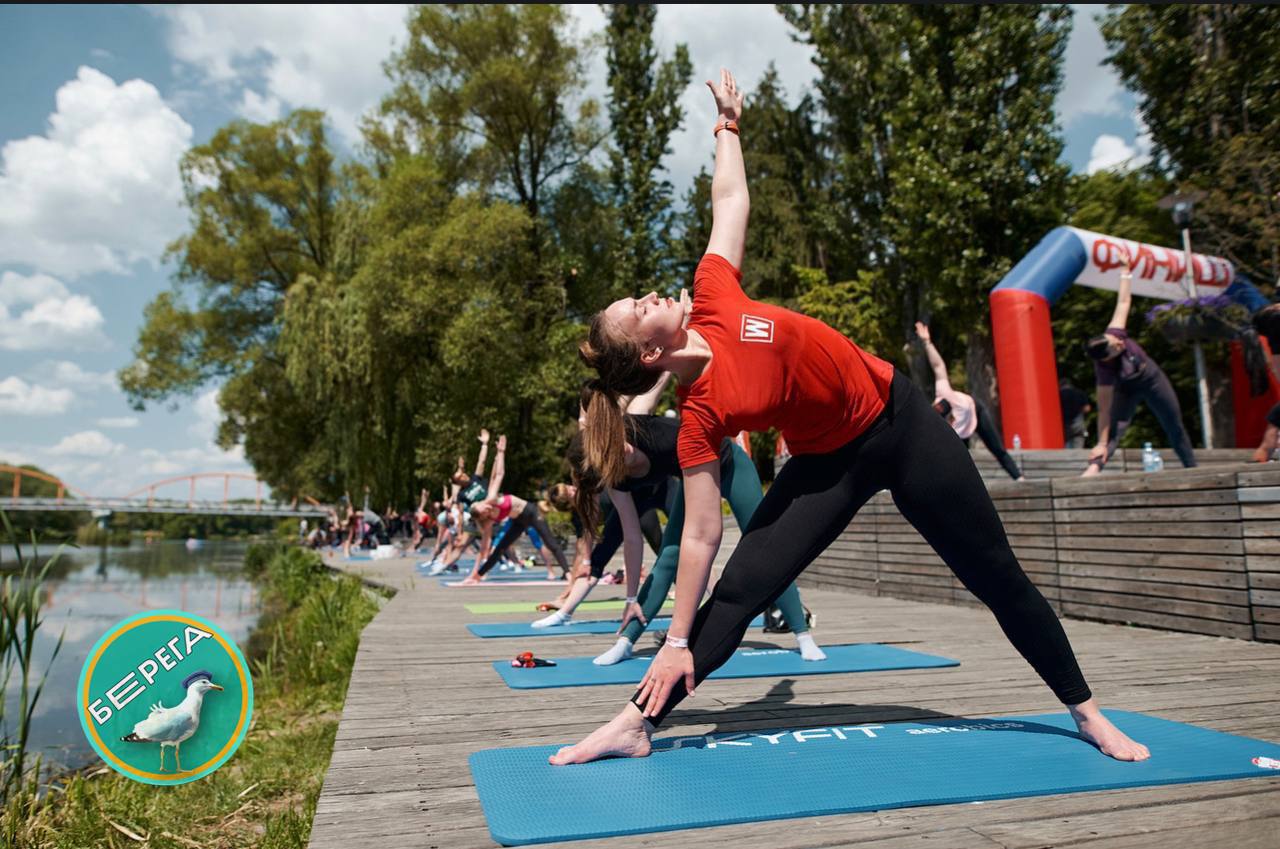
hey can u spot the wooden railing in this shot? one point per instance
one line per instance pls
(1186, 550)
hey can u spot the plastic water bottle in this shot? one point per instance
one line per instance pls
(1017, 452)
(1157, 462)
(1148, 457)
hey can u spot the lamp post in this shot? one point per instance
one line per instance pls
(1182, 219)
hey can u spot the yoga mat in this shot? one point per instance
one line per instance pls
(498, 577)
(745, 663)
(718, 779)
(588, 626)
(455, 582)
(532, 606)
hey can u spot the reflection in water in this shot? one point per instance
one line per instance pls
(90, 590)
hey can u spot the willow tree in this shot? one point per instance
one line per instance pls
(264, 204)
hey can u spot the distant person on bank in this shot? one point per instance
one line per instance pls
(1127, 376)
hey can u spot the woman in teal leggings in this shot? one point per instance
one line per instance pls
(651, 454)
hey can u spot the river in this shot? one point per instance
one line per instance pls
(89, 590)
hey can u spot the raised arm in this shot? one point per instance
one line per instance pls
(499, 468)
(940, 379)
(730, 203)
(642, 405)
(1124, 297)
(484, 452)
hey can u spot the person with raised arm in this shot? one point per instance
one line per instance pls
(465, 491)
(1127, 376)
(964, 413)
(498, 506)
(854, 427)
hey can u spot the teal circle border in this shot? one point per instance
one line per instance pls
(83, 709)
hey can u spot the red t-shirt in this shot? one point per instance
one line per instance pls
(771, 367)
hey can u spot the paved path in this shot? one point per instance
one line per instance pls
(423, 697)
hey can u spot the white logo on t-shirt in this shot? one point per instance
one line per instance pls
(756, 329)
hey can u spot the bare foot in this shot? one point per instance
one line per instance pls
(1093, 471)
(469, 581)
(1099, 731)
(624, 736)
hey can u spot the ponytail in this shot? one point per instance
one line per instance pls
(597, 454)
(586, 499)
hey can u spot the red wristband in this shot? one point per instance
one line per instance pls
(725, 124)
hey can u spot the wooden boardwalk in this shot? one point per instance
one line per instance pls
(423, 697)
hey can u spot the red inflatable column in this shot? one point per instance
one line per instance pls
(1251, 411)
(1026, 369)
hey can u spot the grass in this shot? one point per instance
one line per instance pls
(265, 796)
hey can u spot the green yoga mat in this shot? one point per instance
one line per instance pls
(532, 606)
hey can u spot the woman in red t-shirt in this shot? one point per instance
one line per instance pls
(854, 427)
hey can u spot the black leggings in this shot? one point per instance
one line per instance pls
(648, 502)
(1155, 389)
(911, 451)
(991, 438)
(530, 515)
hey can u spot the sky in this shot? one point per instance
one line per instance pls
(100, 102)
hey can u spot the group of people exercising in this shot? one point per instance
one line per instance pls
(853, 425)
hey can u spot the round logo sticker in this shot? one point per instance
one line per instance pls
(165, 697)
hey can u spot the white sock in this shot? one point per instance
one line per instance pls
(437, 566)
(554, 619)
(808, 648)
(621, 651)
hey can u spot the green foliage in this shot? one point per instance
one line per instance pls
(930, 193)
(301, 653)
(1208, 88)
(644, 108)
(857, 307)
(54, 525)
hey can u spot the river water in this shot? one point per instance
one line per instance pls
(90, 590)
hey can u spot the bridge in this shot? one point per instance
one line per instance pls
(144, 499)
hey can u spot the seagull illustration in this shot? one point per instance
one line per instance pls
(173, 726)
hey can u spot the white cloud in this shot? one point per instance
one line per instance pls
(101, 189)
(259, 109)
(1089, 87)
(65, 373)
(86, 443)
(39, 313)
(20, 398)
(1114, 153)
(122, 422)
(329, 58)
(208, 415)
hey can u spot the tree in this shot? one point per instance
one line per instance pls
(493, 84)
(264, 202)
(1208, 89)
(923, 102)
(644, 110)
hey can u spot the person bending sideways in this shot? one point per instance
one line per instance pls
(523, 514)
(964, 413)
(1127, 377)
(854, 427)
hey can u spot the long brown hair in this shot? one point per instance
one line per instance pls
(620, 371)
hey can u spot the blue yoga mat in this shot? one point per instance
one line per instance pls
(527, 579)
(718, 779)
(746, 663)
(588, 626)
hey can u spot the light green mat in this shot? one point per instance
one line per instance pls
(532, 606)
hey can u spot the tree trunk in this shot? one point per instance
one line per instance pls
(1217, 372)
(980, 373)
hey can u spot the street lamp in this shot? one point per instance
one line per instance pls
(1181, 206)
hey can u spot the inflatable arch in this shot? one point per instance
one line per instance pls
(1026, 367)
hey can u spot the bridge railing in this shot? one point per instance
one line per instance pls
(159, 505)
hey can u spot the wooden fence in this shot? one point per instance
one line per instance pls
(1186, 550)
